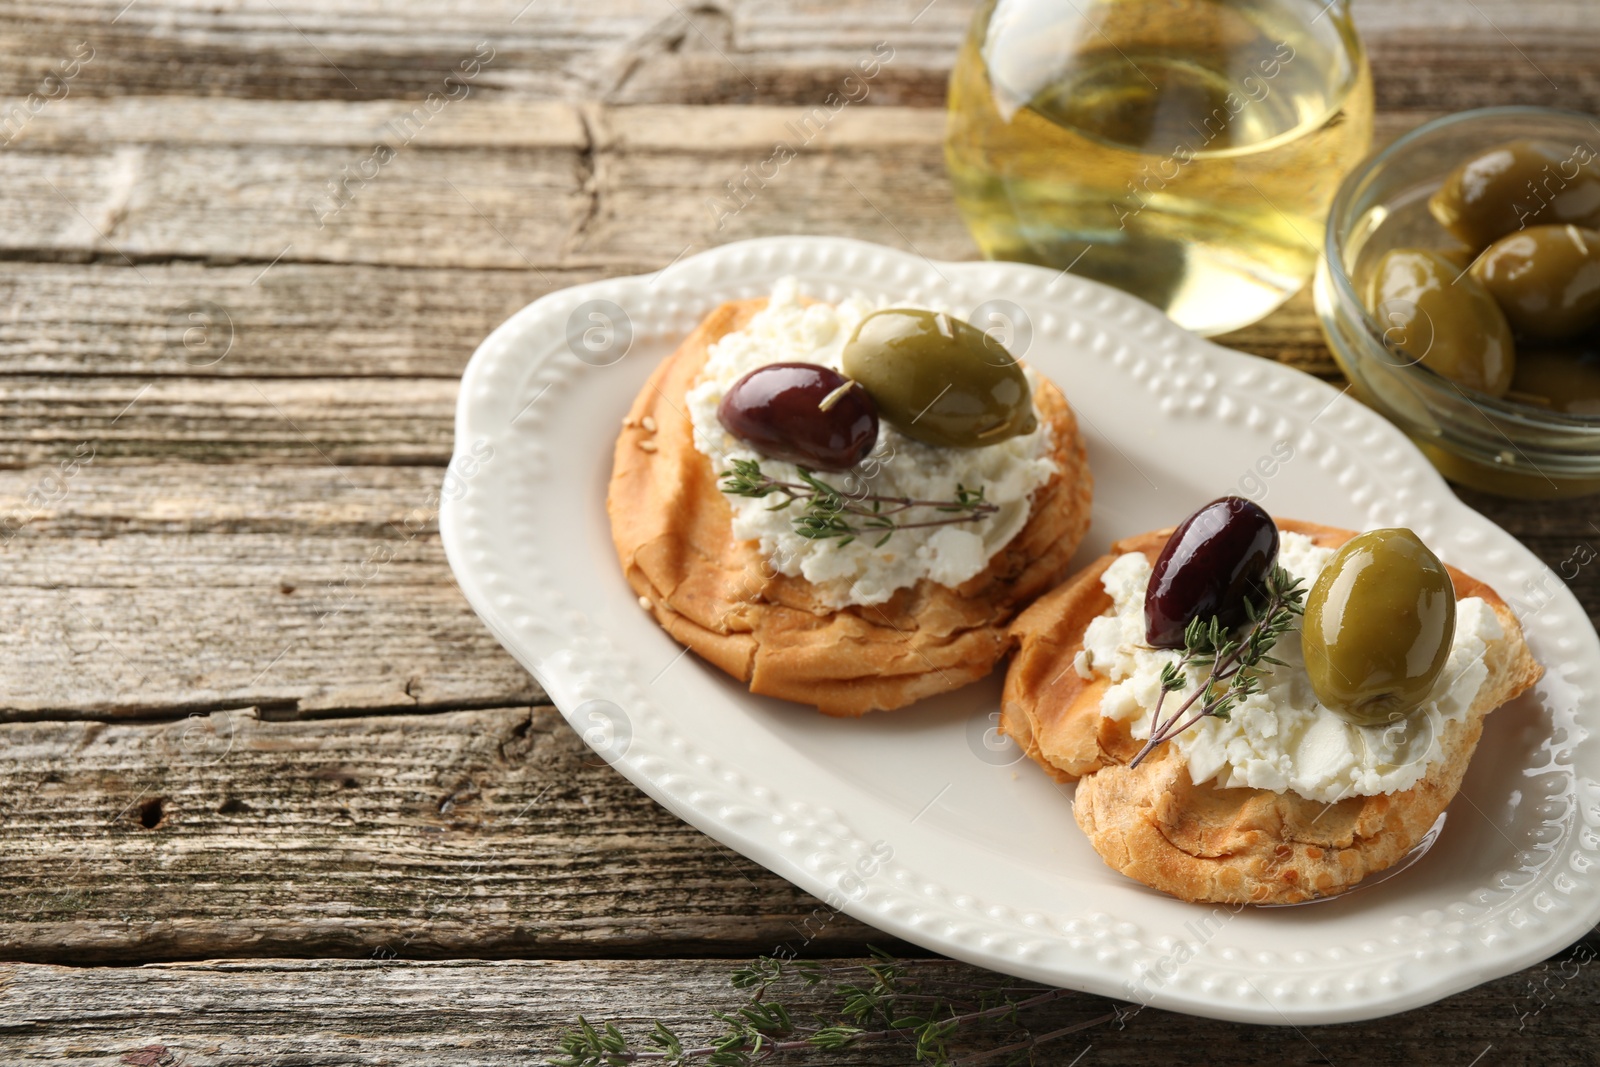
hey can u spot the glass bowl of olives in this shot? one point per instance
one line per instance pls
(1459, 291)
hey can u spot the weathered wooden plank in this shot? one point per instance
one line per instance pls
(333, 320)
(292, 1013)
(316, 422)
(468, 207)
(475, 833)
(78, 124)
(471, 121)
(337, 320)
(644, 179)
(646, 186)
(632, 50)
(1432, 53)
(301, 320)
(152, 590)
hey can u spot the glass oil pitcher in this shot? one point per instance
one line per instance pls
(1185, 151)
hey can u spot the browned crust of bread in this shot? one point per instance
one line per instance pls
(1201, 842)
(673, 533)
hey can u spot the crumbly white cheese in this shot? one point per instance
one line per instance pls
(1281, 738)
(860, 573)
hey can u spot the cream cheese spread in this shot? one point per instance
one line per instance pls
(1281, 738)
(788, 331)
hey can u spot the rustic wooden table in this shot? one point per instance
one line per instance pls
(262, 767)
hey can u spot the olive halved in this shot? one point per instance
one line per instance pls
(938, 380)
(802, 412)
(1379, 622)
(1443, 318)
(1213, 564)
(1546, 279)
(1516, 185)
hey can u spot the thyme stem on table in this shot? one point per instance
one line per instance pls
(883, 1000)
(830, 512)
(1237, 662)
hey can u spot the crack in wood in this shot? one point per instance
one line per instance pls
(666, 37)
(591, 166)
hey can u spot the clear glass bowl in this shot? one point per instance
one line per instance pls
(1498, 445)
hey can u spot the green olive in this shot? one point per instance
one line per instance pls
(1546, 279)
(1459, 257)
(1433, 314)
(1564, 380)
(938, 379)
(1379, 621)
(1516, 185)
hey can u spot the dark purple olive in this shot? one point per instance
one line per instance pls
(802, 412)
(1216, 559)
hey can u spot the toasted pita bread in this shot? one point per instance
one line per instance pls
(672, 528)
(1202, 842)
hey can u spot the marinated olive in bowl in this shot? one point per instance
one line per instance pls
(1519, 184)
(938, 379)
(1213, 564)
(1379, 621)
(1442, 318)
(1546, 279)
(1563, 379)
(801, 412)
(1472, 172)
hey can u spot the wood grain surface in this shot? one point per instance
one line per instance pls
(296, 1013)
(468, 833)
(244, 710)
(160, 590)
(1427, 53)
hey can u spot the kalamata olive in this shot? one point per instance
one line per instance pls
(1516, 185)
(802, 412)
(1379, 621)
(1562, 379)
(1216, 560)
(938, 379)
(1546, 279)
(1443, 318)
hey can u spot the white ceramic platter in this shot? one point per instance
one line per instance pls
(916, 821)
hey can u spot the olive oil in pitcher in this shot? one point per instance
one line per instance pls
(1185, 151)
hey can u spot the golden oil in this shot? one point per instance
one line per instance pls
(1183, 150)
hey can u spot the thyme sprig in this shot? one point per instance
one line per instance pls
(830, 512)
(1237, 662)
(878, 1001)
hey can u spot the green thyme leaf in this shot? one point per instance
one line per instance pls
(1236, 663)
(829, 513)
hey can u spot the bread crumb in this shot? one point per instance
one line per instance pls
(648, 423)
(644, 602)
(648, 446)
